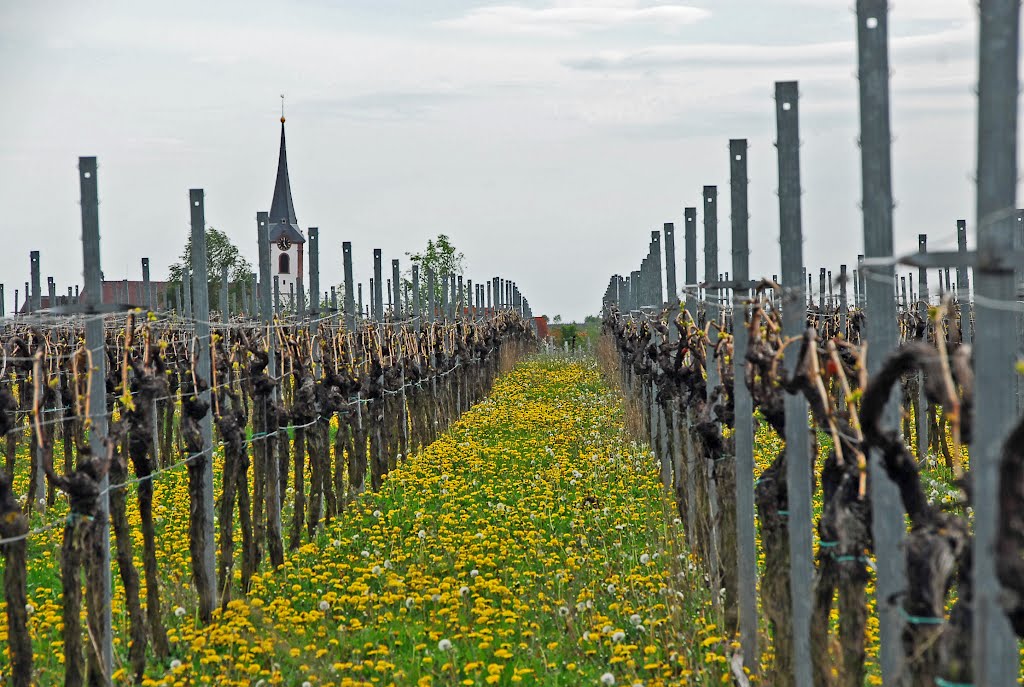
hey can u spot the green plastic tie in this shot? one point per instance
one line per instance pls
(920, 619)
(943, 682)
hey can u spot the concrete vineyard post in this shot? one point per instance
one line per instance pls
(671, 288)
(922, 311)
(147, 285)
(690, 259)
(995, 650)
(417, 310)
(882, 333)
(36, 297)
(431, 296)
(378, 286)
(963, 283)
(273, 498)
(94, 341)
(451, 296)
(396, 284)
(746, 548)
(350, 294)
(711, 275)
(277, 296)
(444, 298)
(314, 272)
(200, 287)
(187, 290)
(225, 314)
(844, 305)
(798, 457)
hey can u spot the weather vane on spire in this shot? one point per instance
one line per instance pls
(282, 108)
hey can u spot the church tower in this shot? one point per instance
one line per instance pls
(286, 239)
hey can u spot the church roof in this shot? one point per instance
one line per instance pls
(291, 231)
(282, 208)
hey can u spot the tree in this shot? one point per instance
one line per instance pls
(220, 253)
(442, 258)
(569, 333)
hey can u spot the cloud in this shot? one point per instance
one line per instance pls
(924, 10)
(927, 47)
(569, 18)
(386, 105)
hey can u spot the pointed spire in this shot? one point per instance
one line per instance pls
(282, 208)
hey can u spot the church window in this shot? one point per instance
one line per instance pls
(284, 263)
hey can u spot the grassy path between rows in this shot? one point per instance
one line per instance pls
(531, 544)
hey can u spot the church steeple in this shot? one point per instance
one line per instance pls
(282, 209)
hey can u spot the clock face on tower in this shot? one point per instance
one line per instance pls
(283, 243)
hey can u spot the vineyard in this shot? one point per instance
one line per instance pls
(241, 477)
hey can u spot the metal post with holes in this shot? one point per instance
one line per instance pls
(417, 309)
(147, 285)
(200, 288)
(350, 292)
(273, 496)
(860, 281)
(459, 304)
(821, 289)
(844, 304)
(690, 259)
(996, 659)
(922, 311)
(794, 321)
(1018, 244)
(671, 288)
(277, 295)
(657, 293)
(35, 295)
(187, 289)
(94, 342)
(963, 283)
(746, 548)
(225, 311)
(51, 288)
(710, 196)
(881, 327)
(314, 272)
(451, 296)
(444, 298)
(396, 284)
(431, 296)
(378, 286)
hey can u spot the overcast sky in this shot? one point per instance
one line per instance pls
(546, 137)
